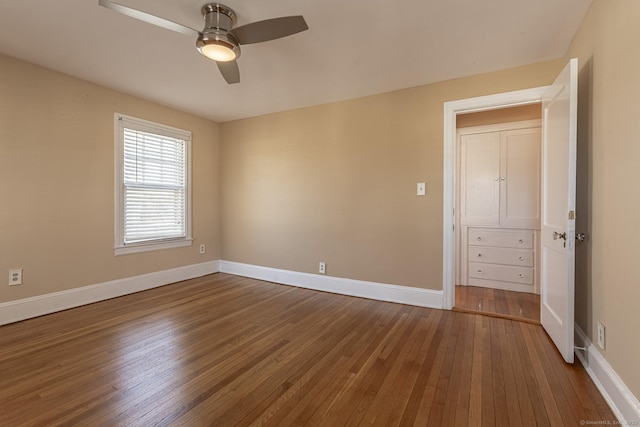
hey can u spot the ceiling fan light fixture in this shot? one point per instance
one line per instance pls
(219, 40)
(218, 47)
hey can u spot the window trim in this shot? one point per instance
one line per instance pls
(120, 247)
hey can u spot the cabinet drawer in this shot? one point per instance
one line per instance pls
(517, 257)
(503, 273)
(519, 239)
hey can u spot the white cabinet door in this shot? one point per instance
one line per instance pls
(500, 178)
(480, 187)
(559, 112)
(520, 178)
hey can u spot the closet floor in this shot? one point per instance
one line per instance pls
(498, 303)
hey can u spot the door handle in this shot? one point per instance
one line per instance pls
(562, 236)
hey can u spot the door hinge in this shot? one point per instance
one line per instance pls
(572, 214)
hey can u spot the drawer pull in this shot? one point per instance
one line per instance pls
(521, 258)
(521, 276)
(479, 238)
(520, 241)
(479, 272)
(479, 255)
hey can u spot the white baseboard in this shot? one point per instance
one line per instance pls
(358, 288)
(14, 311)
(623, 403)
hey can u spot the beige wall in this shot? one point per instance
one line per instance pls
(57, 182)
(337, 182)
(607, 273)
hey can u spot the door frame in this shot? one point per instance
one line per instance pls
(451, 110)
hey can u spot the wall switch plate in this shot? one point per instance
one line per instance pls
(15, 277)
(421, 189)
(601, 336)
(323, 268)
(203, 249)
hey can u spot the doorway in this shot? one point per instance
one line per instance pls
(451, 110)
(497, 212)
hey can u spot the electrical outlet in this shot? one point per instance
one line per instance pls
(323, 268)
(203, 248)
(15, 277)
(601, 336)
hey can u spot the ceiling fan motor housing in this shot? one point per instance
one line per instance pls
(218, 22)
(218, 16)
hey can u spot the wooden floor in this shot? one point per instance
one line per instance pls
(495, 302)
(224, 350)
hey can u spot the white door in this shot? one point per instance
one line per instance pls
(559, 112)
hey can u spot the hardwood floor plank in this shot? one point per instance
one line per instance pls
(477, 368)
(463, 375)
(226, 350)
(444, 376)
(526, 394)
(488, 387)
(506, 408)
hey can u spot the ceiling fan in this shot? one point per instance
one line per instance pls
(218, 40)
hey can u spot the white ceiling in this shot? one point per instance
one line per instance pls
(352, 48)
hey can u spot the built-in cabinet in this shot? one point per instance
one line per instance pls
(499, 205)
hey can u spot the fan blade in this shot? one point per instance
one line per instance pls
(229, 71)
(269, 29)
(148, 18)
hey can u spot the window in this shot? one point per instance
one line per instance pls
(153, 177)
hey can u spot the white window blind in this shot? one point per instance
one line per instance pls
(153, 184)
(154, 187)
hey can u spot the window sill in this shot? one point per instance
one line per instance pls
(147, 247)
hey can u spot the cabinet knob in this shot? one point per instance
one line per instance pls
(503, 178)
(497, 178)
(479, 238)
(479, 272)
(521, 258)
(521, 241)
(521, 276)
(479, 255)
